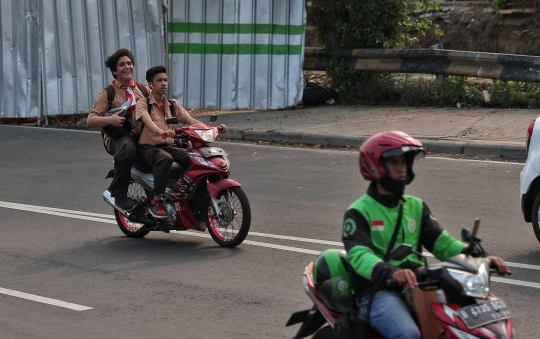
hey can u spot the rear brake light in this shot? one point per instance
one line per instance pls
(529, 135)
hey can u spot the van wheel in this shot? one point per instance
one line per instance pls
(536, 217)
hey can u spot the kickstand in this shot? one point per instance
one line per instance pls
(163, 227)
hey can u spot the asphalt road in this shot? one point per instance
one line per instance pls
(60, 241)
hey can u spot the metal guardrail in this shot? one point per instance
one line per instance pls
(430, 61)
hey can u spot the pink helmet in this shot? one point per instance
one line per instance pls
(386, 144)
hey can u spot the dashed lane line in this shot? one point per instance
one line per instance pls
(44, 300)
(105, 218)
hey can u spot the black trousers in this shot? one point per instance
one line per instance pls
(125, 152)
(161, 159)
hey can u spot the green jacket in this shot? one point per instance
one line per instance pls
(368, 228)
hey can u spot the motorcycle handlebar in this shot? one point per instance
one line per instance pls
(421, 275)
(391, 283)
(175, 136)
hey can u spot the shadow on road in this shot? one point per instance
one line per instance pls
(110, 255)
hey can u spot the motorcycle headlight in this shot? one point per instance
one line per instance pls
(204, 161)
(474, 285)
(206, 134)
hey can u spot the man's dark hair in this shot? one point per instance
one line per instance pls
(152, 71)
(112, 60)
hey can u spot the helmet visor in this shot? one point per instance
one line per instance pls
(419, 152)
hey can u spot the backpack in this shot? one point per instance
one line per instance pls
(115, 132)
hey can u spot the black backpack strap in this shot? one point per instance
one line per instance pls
(375, 289)
(110, 96)
(396, 231)
(171, 107)
(148, 105)
(143, 89)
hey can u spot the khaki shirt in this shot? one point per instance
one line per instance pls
(120, 97)
(159, 115)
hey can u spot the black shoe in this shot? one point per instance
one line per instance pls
(125, 203)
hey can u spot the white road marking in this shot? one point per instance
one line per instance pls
(44, 300)
(286, 237)
(516, 282)
(32, 208)
(109, 219)
(54, 129)
(476, 160)
(255, 243)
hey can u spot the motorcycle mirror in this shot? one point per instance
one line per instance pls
(465, 235)
(172, 121)
(213, 117)
(476, 227)
(401, 252)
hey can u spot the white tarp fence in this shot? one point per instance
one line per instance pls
(237, 54)
(223, 54)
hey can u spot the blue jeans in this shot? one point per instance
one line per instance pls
(390, 316)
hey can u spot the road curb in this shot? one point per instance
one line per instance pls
(470, 148)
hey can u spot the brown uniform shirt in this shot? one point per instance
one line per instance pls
(159, 115)
(120, 97)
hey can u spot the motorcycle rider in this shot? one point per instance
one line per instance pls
(386, 159)
(156, 150)
(126, 91)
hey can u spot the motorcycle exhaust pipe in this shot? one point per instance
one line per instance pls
(141, 219)
(110, 200)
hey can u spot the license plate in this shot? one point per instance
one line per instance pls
(480, 314)
(212, 151)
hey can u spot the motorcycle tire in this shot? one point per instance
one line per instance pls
(535, 217)
(234, 206)
(129, 228)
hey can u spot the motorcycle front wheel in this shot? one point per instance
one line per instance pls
(232, 227)
(129, 228)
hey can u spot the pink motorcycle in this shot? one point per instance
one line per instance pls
(203, 198)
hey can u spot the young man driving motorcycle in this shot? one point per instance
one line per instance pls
(157, 147)
(384, 218)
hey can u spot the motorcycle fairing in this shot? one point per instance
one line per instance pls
(453, 325)
(186, 217)
(217, 186)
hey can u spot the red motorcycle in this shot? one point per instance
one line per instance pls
(453, 302)
(203, 198)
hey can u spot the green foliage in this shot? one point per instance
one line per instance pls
(515, 94)
(462, 90)
(500, 4)
(420, 91)
(369, 23)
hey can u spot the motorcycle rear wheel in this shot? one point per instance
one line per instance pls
(232, 228)
(129, 228)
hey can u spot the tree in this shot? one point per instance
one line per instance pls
(366, 24)
(370, 23)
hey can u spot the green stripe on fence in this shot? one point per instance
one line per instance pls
(246, 49)
(210, 28)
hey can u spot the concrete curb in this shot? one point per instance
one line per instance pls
(466, 147)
